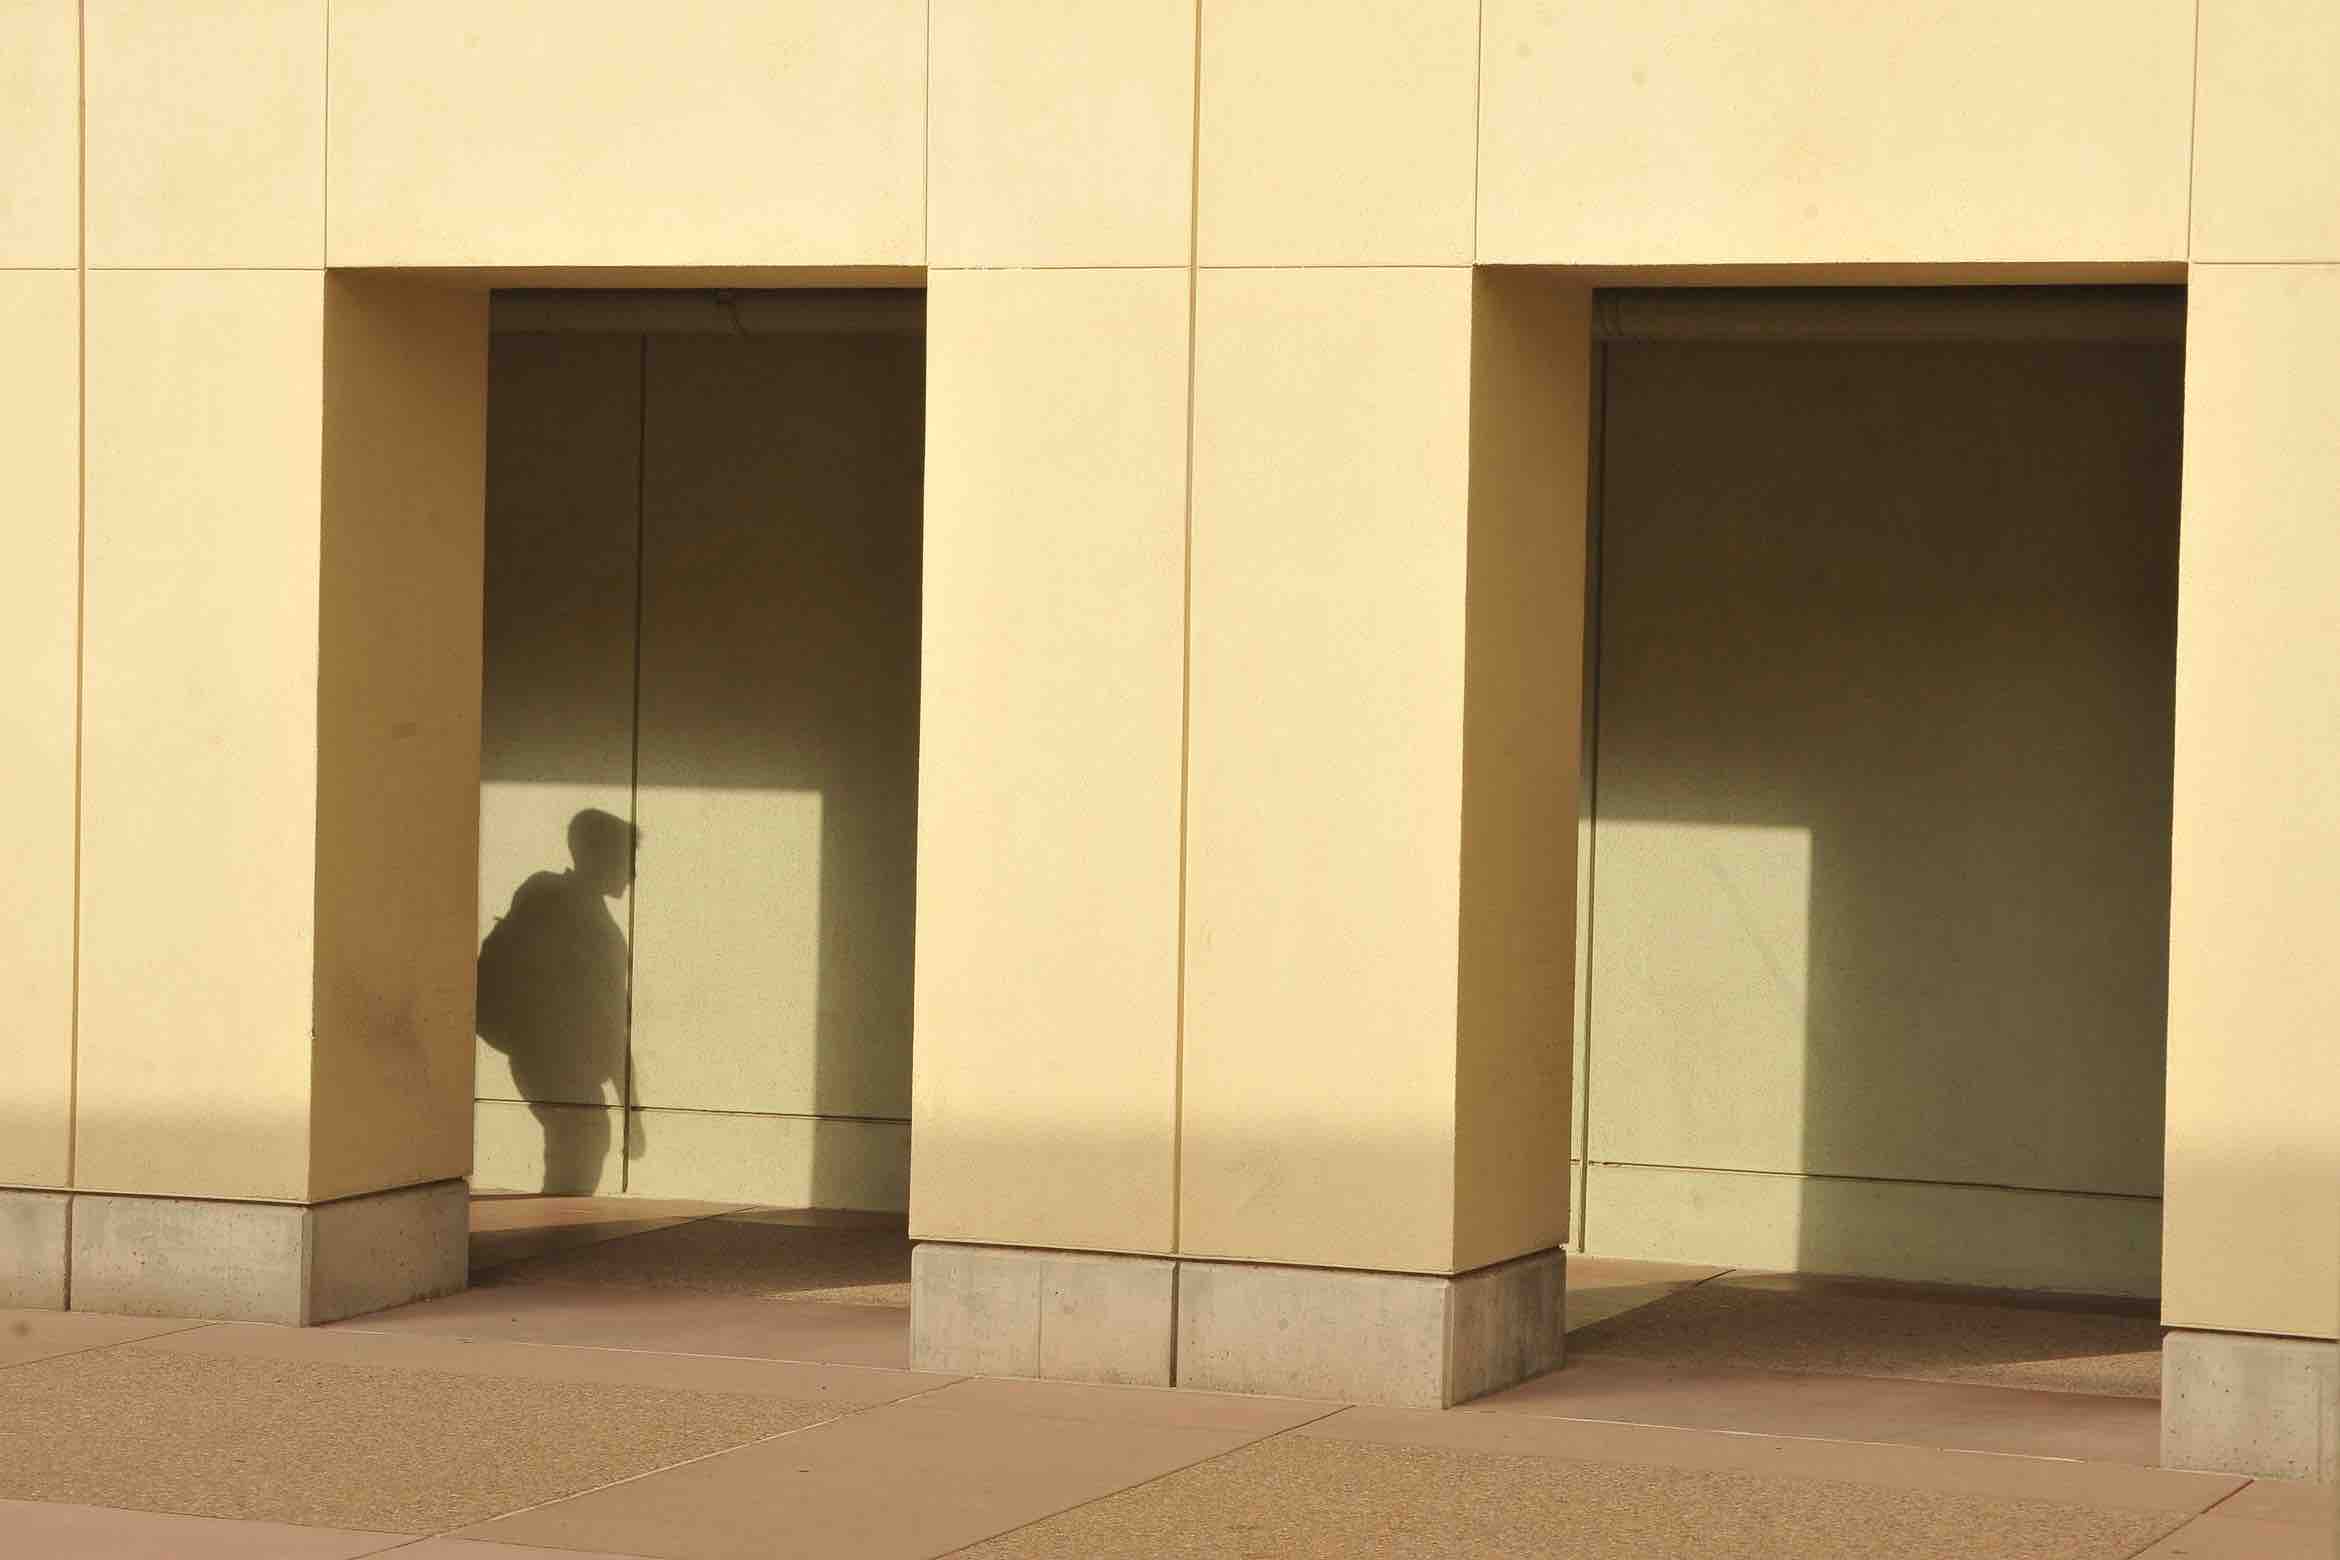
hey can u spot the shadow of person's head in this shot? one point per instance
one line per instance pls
(601, 851)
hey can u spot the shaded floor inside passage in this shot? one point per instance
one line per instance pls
(1649, 1342)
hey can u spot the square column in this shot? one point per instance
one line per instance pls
(279, 793)
(1045, 1059)
(2251, 1246)
(1333, 1160)
(1387, 639)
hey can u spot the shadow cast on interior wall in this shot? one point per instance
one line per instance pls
(553, 996)
(702, 612)
(1885, 690)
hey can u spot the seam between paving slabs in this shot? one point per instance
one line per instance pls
(611, 1484)
(1330, 1411)
(111, 1343)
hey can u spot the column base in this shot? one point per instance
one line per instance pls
(1404, 1340)
(2248, 1403)
(32, 1249)
(291, 1263)
(1059, 1315)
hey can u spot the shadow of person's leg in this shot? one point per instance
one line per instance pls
(576, 1148)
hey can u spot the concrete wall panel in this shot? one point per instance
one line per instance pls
(1742, 131)
(713, 133)
(779, 724)
(785, 1161)
(40, 120)
(1047, 979)
(1061, 133)
(39, 629)
(206, 133)
(1337, 135)
(1332, 454)
(557, 711)
(2252, 1245)
(398, 733)
(1921, 1231)
(2266, 117)
(1523, 685)
(1886, 654)
(568, 1150)
(199, 759)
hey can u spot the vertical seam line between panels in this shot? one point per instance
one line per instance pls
(2193, 133)
(80, 601)
(926, 149)
(325, 150)
(1186, 663)
(1478, 121)
(625, 1104)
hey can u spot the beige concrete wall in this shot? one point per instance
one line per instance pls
(1919, 1231)
(1523, 655)
(398, 679)
(1045, 1095)
(2250, 1241)
(753, 1156)
(1719, 134)
(779, 725)
(279, 738)
(1337, 138)
(40, 131)
(557, 708)
(1332, 459)
(569, 1149)
(1752, 131)
(40, 433)
(1348, 489)
(1044, 1103)
(758, 1021)
(199, 731)
(710, 132)
(206, 133)
(2266, 115)
(2252, 1244)
(1882, 790)
(1060, 133)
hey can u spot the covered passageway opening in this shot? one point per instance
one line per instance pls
(698, 787)
(1874, 900)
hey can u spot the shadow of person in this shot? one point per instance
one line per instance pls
(553, 997)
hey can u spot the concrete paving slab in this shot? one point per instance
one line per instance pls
(898, 1483)
(61, 1531)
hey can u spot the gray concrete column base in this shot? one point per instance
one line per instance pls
(2247, 1403)
(32, 1249)
(1058, 1315)
(1400, 1339)
(293, 1263)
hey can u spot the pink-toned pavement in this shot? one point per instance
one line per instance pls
(698, 1381)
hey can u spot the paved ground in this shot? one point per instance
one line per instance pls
(696, 1382)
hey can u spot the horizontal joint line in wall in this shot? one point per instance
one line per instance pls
(1871, 1180)
(700, 1110)
(1102, 265)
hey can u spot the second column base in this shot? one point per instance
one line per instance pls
(1402, 1340)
